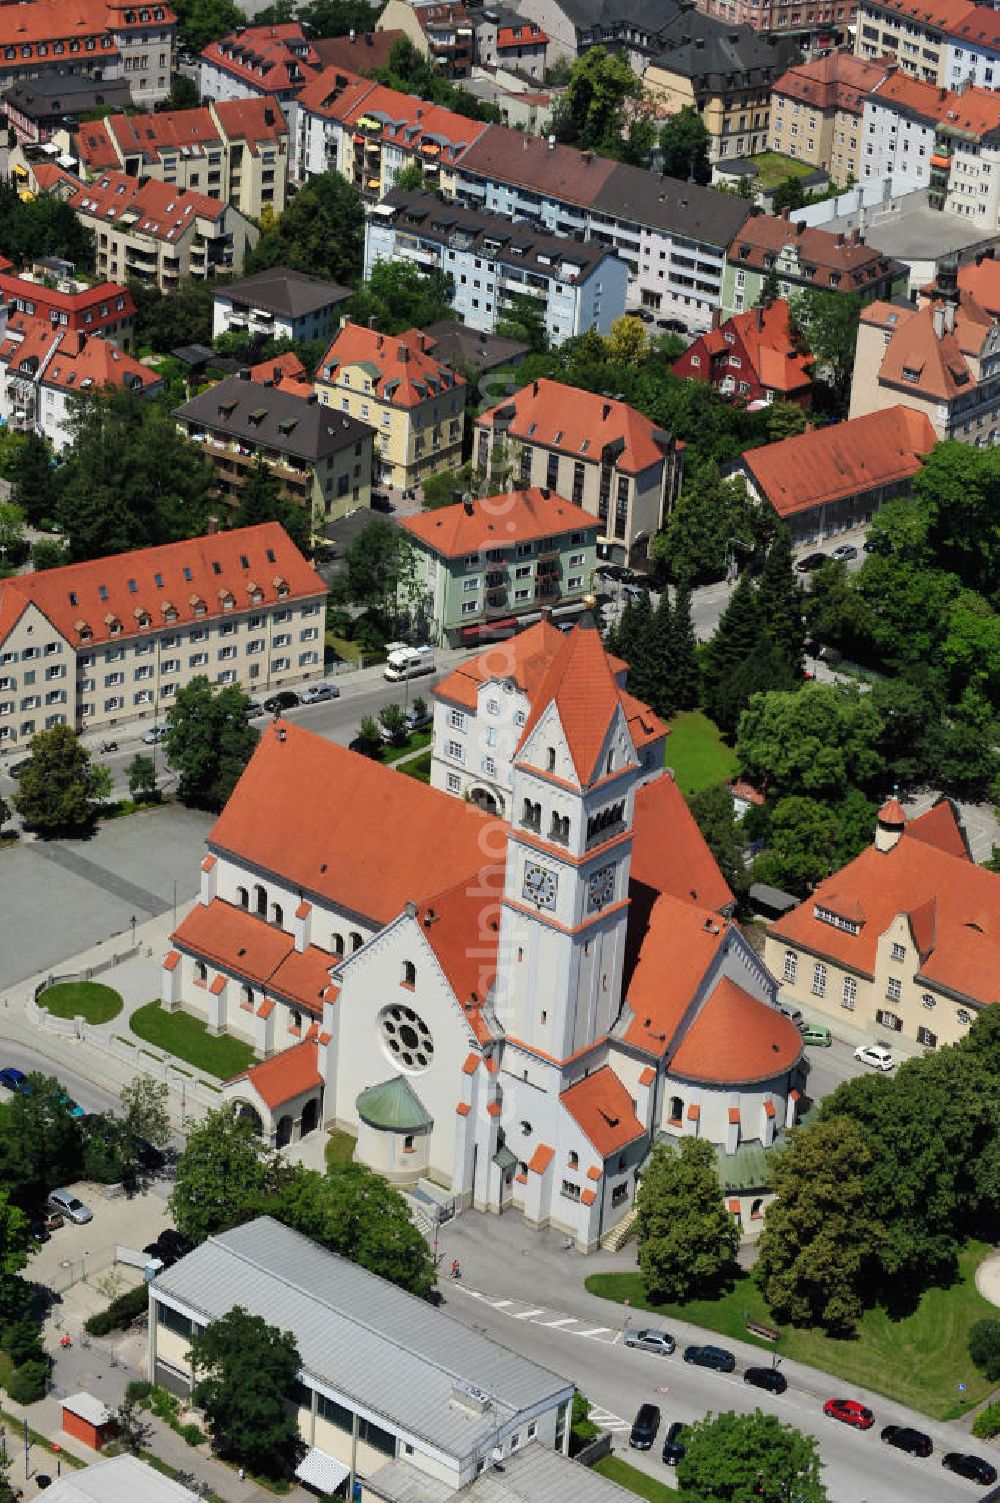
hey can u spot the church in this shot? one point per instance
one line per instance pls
(507, 985)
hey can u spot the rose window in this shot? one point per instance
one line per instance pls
(406, 1037)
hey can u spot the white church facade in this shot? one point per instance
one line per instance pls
(510, 1006)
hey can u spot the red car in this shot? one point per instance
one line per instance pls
(850, 1412)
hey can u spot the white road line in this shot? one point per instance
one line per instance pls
(501, 1304)
(527, 1314)
(595, 1331)
(565, 1320)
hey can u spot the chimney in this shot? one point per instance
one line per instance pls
(605, 412)
(466, 503)
(546, 613)
(244, 373)
(213, 526)
(716, 318)
(786, 213)
(949, 317)
(758, 316)
(404, 354)
(534, 388)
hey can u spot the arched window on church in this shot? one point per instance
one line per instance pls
(246, 995)
(609, 766)
(260, 900)
(409, 976)
(552, 758)
(243, 897)
(676, 1110)
(200, 972)
(337, 941)
(357, 940)
(277, 915)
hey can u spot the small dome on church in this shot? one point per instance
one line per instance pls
(892, 813)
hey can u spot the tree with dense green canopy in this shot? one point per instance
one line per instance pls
(202, 21)
(145, 1109)
(751, 652)
(335, 18)
(409, 72)
(808, 839)
(593, 111)
(225, 1175)
(55, 790)
(42, 226)
(713, 810)
(785, 420)
(827, 323)
(35, 481)
(209, 741)
(40, 1142)
(708, 514)
(245, 1372)
(780, 597)
(749, 1458)
(380, 578)
(320, 232)
(522, 317)
(183, 316)
(687, 1239)
(141, 775)
(260, 500)
(398, 295)
(984, 1347)
(685, 142)
(816, 740)
(109, 1152)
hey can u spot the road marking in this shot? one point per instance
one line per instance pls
(527, 1314)
(595, 1331)
(501, 1304)
(607, 1420)
(565, 1320)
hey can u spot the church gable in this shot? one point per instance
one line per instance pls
(546, 748)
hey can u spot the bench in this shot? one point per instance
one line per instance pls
(766, 1333)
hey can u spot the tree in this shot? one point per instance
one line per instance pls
(444, 486)
(109, 1153)
(4, 813)
(335, 18)
(355, 1213)
(42, 226)
(144, 1106)
(627, 342)
(591, 113)
(984, 1347)
(101, 785)
(368, 735)
(134, 1431)
(261, 501)
(209, 741)
(184, 93)
(245, 1371)
(184, 316)
(15, 1237)
(652, 677)
(749, 1458)
(716, 819)
(53, 794)
(393, 721)
(410, 72)
(13, 548)
(817, 740)
(780, 597)
(789, 194)
(41, 1141)
(820, 1233)
(685, 142)
(785, 420)
(379, 562)
(827, 323)
(131, 480)
(709, 512)
(224, 1176)
(35, 486)
(687, 1239)
(800, 847)
(321, 232)
(523, 318)
(409, 178)
(202, 21)
(686, 671)
(398, 295)
(46, 553)
(142, 778)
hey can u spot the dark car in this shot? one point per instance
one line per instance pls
(877, 543)
(644, 1428)
(14, 1080)
(673, 1447)
(710, 1356)
(913, 1442)
(972, 1467)
(812, 561)
(283, 700)
(169, 1246)
(766, 1377)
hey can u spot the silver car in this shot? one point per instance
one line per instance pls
(651, 1341)
(313, 693)
(65, 1203)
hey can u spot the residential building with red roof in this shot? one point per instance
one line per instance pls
(414, 401)
(905, 938)
(38, 108)
(942, 359)
(485, 567)
(511, 42)
(99, 644)
(807, 20)
(113, 39)
(817, 112)
(753, 357)
(981, 280)
(235, 150)
(359, 53)
(44, 370)
(946, 43)
(802, 257)
(600, 453)
(268, 62)
(50, 292)
(834, 479)
(512, 1004)
(440, 30)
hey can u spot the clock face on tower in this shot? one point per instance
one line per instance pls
(540, 885)
(601, 887)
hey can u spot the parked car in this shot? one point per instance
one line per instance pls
(710, 1356)
(651, 1341)
(793, 1014)
(877, 542)
(154, 734)
(913, 1442)
(313, 693)
(844, 551)
(14, 1080)
(849, 1412)
(766, 1377)
(876, 1055)
(817, 1034)
(254, 708)
(65, 1203)
(812, 561)
(644, 1427)
(674, 1448)
(16, 768)
(418, 720)
(73, 1107)
(285, 699)
(972, 1467)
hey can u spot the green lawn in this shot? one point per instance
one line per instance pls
(188, 1038)
(349, 651)
(85, 999)
(772, 168)
(413, 743)
(919, 1360)
(339, 1148)
(637, 1482)
(419, 768)
(697, 752)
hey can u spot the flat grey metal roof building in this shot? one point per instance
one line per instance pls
(118, 1479)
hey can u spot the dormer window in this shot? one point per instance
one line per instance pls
(836, 920)
(113, 624)
(197, 605)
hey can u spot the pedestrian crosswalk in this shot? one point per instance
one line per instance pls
(608, 1421)
(572, 1325)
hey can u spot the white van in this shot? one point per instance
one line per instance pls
(408, 662)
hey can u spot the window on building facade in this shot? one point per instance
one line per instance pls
(849, 993)
(819, 980)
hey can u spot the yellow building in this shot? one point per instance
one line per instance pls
(817, 110)
(415, 403)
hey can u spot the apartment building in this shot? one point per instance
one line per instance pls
(278, 304)
(817, 110)
(753, 357)
(97, 39)
(415, 403)
(942, 359)
(825, 21)
(322, 461)
(578, 285)
(45, 369)
(672, 235)
(947, 42)
(601, 454)
(38, 107)
(487, 567)
(153, 232)
(630, 28)
(368, 132)
(98, 644)
(724, 72)
(441, 31)
(235, 150)
(50, 292)
(507, 40)
(270, 62)
(801, 257)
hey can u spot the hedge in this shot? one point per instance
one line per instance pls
(120, 1313)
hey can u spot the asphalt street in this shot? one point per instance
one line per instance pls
(91, 1097)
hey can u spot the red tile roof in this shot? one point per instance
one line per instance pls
(358, 54)
(401, 368)
(498, 521)
(53, 20)
(286, 1075)
(71, 360)
(273, 821)
(603, 1109)
(919, 359)
(567, 420)
(334, 92)
(557, 172)
(673, 942)
(669, 854)
(412, 123)
(223, 935)
(979, 278)
(845, 459)
(761, 338)
(525, 34)
(286, 371)
(175, 575)
(159, 210)
(857, 265)
(461, 925)
(838, 81)
(273, 59)
(736, 1039)
(106, 143)
(75, 305)
(582, 687)
(525, 657)
(972, 114)
(953, 907)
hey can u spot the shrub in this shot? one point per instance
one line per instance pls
(987, 1422)
(138, 1390)
(984, 1347)
(120, 1313)
(26, 1384)
(22, 1341)
(192, 1434)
